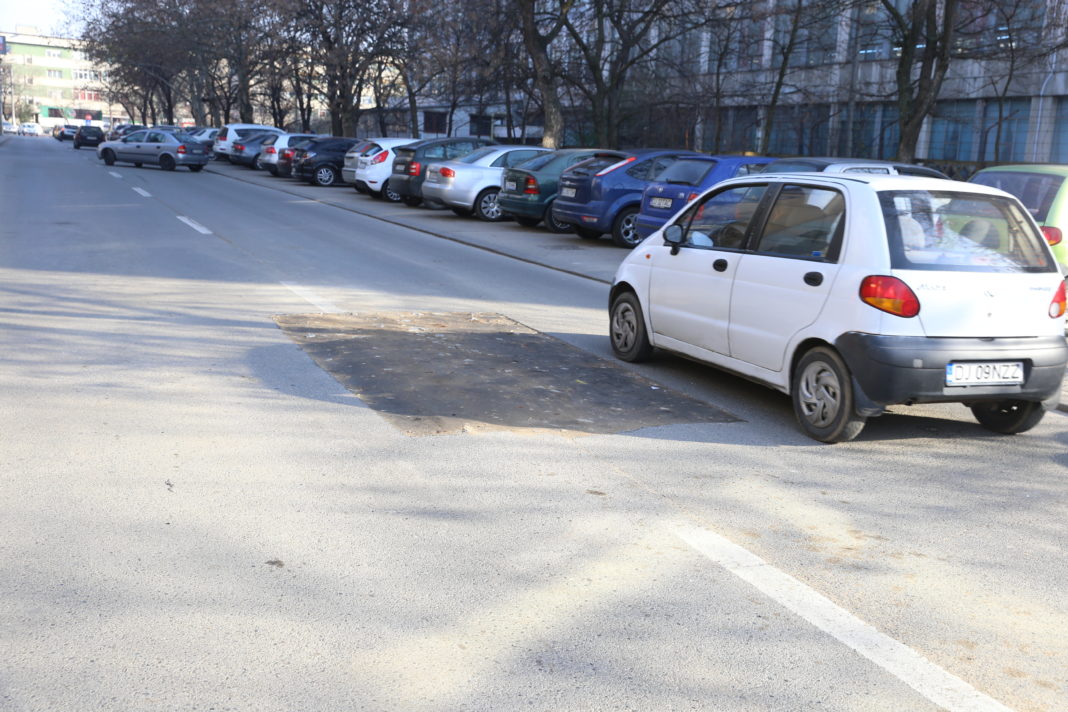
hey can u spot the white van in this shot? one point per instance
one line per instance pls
(855, 292)
(226, 136)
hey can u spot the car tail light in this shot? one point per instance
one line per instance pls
(615, 166)
(1053, 235)
(531, 187)
(1060, 301)
(380, 158)
(287, 153)
(270, 149)
(890, 295)
(239, 147)
(181, 149)
(447, 172)
(413, 168)
(691, 197)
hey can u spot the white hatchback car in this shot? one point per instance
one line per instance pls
(369, 164)
(224, 140)
(852, 293)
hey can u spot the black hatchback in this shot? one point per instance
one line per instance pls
(409, 167)
(320, 161)
(88, 136)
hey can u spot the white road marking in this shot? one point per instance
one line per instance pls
(312, 298)
(931, 681)
(114, 174)
(143, 192)
(194, 224)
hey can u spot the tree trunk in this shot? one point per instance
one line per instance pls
(538, 47)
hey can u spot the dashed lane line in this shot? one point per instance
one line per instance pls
(194, 224)
(142, 192)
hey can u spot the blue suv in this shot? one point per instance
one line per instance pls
(603, 194)
(686, 179)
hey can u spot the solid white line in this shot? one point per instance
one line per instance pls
(312, 298)
(194, 224)
(142, 191)
(931, 681)
(115, 175)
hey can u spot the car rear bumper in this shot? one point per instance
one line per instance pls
(524, 208)
(891, 370)
(588, 215)
(348, 175)
(192, 159)
(403, 185)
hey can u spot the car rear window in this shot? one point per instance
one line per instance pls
(595, 164)
(1035, 190)
(686, 171)
(961, 232)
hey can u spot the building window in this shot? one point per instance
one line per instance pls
(952, 131)
(1004, 130)
(53, 53)
(1060, 132)
(481, 125)
(55, 73)
(435, 122)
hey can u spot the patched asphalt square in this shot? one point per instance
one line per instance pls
(434, 373)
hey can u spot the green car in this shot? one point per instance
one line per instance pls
(1044, 192)
(529, 189)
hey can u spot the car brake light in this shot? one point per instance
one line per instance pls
(287, 153)
(414, 168)
(614, 166)
(270, 149)
(1053, 235)
(691, 197)
(1059, 303)
(531, 187)
(890, 295)
(239, 147)
(181, 149)
(447, 172)
(381, 157)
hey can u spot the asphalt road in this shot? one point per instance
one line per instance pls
(196, 516)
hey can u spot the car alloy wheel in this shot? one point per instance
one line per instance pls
(625, 228)
(486, 206)
(325, 176)
(389, 194)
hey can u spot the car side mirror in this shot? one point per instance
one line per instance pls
(673, 236)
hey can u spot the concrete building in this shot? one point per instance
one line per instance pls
(47, 80)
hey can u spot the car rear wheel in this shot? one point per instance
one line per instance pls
(325, 176)
(166, 162)
(412, 201)
(554, 225)
(109, 157)
(527, 222)
(486, 206)
(389, 194)
(822, 393)
(625, 228)
(626, 329)
(1008, 417)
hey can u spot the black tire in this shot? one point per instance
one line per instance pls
(412, 201)
(554, 225)
(587, 234)
(196, 169)
(138, 164)
(1008, 417)
(462, 212)
(486, 206)
(273, 170)
(527, 222)
(625, 228)
(167, 162)
(389, 195)
(822, 393)
(324, 176)
(109, 157)
(626, 329)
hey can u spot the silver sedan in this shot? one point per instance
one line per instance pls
(471, 184)
(161, 148)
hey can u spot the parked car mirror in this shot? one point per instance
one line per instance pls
(673, 235)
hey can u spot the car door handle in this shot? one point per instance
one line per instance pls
(720, 265)
(814, 279)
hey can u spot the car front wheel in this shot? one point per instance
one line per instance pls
(822, 392)
(626, 329)
(1008, 417)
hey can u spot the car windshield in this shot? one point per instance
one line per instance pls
(963, 232)
(477, 154)
(1035, 190)
(686, 172)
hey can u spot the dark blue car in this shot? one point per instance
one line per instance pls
(603, 194)
(686, 179)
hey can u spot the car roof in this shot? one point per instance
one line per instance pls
(875, 181)
(1045, 169)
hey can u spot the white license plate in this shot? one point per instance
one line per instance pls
(362, 163)
(984, 373)
(660, 202)
(509, 185)
(400, 169)
(567, 192)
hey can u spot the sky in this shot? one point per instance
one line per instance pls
(49, 16)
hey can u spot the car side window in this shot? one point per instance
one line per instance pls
(721, 220)
(659, 165)
(804, 222)
(136, 137)
(437, 151)
(459, 149)
(155, 137)
(640, 170)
